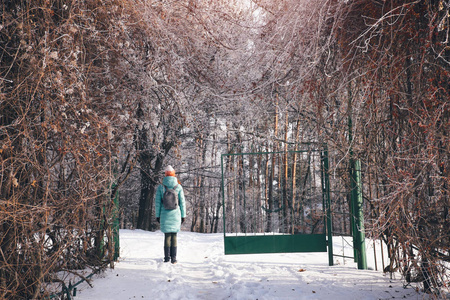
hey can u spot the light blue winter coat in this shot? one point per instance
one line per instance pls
(170, 219)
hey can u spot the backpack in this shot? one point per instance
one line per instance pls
(170, 198)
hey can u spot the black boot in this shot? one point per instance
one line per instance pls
(166, 254)
(173, 254)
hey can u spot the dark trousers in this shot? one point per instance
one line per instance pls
(170, 239)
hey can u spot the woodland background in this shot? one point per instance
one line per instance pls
(97, 96)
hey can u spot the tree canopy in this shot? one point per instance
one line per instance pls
(97, 96)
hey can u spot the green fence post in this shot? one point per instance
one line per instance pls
(243, 194)
(116, 225)
(223, 198)
(353, 196)
(359, 234)
(351, 171)
(326, 192)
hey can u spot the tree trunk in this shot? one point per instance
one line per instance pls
(146, 202)
(294, 179)
(272, 172)
(285, 179)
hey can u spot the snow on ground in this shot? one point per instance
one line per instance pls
(204, 272)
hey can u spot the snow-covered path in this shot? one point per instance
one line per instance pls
(204, 272)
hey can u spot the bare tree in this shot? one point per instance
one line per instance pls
(62, 81)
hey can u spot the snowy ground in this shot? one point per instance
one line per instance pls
(204, 272)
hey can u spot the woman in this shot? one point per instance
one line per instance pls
(170, 214)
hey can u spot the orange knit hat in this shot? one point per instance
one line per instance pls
(169, 171)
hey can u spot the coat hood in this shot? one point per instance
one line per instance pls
(170, 181)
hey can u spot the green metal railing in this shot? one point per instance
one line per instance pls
(276, 202)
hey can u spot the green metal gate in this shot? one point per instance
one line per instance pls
(276, 202)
